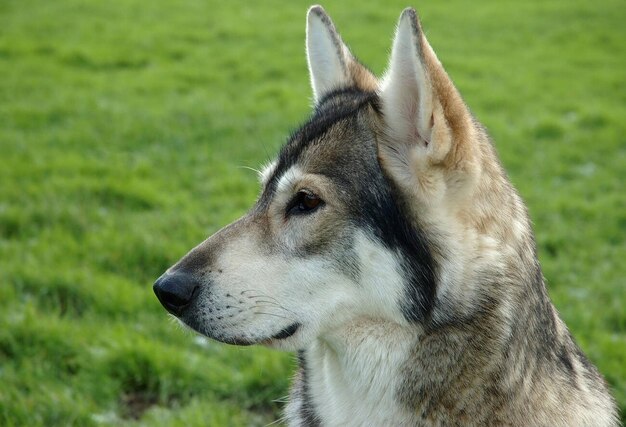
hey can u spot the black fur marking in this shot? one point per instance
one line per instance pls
(307, 412)
(387, 218)
(287, 332)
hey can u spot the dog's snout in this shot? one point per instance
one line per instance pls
(176, 291)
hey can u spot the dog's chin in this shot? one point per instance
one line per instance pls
(284, 339)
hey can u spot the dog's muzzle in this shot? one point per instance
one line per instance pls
(176, 291)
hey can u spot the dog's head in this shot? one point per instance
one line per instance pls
(356, 213)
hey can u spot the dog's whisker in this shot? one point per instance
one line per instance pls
(267, 301)
(261, 295)
(282, 419)
(273, 314)
(249, 168)
(258, 293)
(275, 304)
(254, 290)
(274, 307)
(266, 304)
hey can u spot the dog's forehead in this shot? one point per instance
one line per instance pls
(329, 137)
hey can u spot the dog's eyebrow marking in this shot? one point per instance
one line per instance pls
(267, 171)
(286, 181)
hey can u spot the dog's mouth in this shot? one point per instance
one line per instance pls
(286, 332)
(281, 335)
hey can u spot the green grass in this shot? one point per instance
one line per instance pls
(123, 128)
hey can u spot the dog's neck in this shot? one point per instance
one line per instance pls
(354, 372)
(376, 372)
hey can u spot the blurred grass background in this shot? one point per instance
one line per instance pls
(123, 128)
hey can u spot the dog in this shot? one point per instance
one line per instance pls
(390, 251)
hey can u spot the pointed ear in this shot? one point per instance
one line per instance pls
(419, 101)
(331, 65)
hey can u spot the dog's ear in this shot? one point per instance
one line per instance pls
(424, 115)
(331, 64)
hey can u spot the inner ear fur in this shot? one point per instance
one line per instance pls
(331, 64)
(421, 106)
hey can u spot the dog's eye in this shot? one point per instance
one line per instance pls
(304, 202)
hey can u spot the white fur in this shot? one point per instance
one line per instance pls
(266, 172)
(406, 89)
(326, 55)
(287, 181)
(355, 366)
(274, 292)
(355, 337)
(355, 373)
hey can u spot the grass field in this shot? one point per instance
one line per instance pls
(124, 126)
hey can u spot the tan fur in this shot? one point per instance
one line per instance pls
(362, 77)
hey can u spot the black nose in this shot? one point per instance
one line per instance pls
(175, 291)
